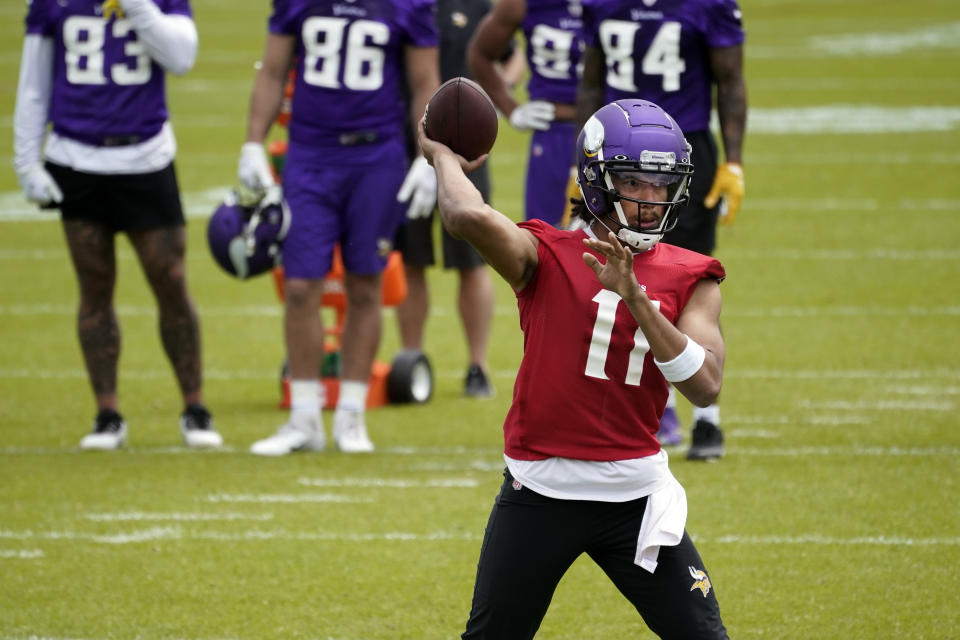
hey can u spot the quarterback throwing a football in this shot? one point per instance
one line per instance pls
(609, 317)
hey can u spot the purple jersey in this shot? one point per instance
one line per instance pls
(552, 29)
(105, 86)
(659, 51)
(350, 70)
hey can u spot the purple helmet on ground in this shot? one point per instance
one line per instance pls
(245, 241)
(633, 136)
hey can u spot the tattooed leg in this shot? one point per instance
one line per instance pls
(94, 261)
(161, 253)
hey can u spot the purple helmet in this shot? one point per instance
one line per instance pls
(633, 136)
(245, 241)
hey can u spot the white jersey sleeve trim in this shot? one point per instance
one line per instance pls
(33, 101)
(171, 40)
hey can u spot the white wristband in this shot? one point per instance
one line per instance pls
(684, 365)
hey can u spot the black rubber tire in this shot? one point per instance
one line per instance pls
(411, 378)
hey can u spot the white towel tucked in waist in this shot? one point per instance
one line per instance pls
(663, 522)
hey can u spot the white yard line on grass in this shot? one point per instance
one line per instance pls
(922, 390)
(847, 452)
(851, 119)
(833, 541)
(843, 254)
(856, 206)
(388, 483)
(789, 420)
(878, 405)
(891, 43)
(20, 554)
(255, 535)
(284, 498)
(179, 533)
(140, 516)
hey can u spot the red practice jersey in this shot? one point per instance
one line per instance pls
(587, 387)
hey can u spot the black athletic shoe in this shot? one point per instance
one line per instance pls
(196, 426)
(477, 385)
(707, 441)
(109, 432)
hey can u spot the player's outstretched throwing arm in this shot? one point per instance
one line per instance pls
(510, 250)
(690, 354)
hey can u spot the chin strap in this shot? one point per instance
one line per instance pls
(637, 241)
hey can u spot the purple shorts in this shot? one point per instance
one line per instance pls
(354, 205)
(551, 156)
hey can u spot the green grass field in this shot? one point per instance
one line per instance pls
(835, 513)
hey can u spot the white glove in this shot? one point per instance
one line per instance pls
(254, 170)
(39, 186)
(420, 188)
(537, 114)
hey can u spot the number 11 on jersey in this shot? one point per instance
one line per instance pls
(607, 303)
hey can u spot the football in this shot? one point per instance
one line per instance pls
(461, 115)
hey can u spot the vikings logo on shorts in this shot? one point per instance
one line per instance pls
(701, 581)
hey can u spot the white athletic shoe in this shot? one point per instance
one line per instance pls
(196, 426)
(289, 438)
(109, 432)
(350, 432)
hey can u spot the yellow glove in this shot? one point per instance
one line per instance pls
(111, 8)
(573, 192)
(728, 183)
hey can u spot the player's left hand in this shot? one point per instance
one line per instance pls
(616, 274)
(419, 188)
(728, 184)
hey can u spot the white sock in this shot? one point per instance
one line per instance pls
(353, 396)
(710, 414)
(305, 400)
(671, 398)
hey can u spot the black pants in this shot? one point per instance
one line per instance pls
(532, 540)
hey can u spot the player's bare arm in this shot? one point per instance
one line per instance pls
(267, 95)
(699, 320)
(590, 91)
(490, 41)
(423, 75)
(727, 67)
(510, 250)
